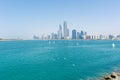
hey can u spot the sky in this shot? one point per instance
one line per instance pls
(25, 18)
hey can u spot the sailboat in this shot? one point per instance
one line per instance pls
(113, 45)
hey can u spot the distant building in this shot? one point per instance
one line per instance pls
(111, 36)
(92, 37)
(85, 35)
(35, 37)
(60, 32)
(101, 37)
(118, 36)
(54, 36)
(44, 37)
(65, 30)
(78, 35)
(73, 34)
(48, 36)
(81, 35)
(88, 37)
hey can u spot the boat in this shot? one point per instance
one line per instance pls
(113, 45)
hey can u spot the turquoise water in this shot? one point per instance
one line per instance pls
(58, 60)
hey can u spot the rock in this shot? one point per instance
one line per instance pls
(107, 78)
(118, 74)
(113, 75)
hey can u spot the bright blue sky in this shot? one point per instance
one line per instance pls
(25, 18)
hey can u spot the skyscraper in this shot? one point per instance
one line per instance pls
(48, 36)
(78, 35)
(60, 32)
(73, 34)
(82, 35)
(111, 36)
(65, 30)
(52, 36)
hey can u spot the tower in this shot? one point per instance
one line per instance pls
(73, 34)
(65, 30)
(60, 32)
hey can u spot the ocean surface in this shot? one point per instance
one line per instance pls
(58, 59)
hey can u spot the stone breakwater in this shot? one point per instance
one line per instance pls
(113, 76)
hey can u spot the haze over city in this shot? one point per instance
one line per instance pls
(25, 18)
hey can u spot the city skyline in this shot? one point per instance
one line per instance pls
(63, 33)
(25, 18)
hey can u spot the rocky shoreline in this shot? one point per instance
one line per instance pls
(112, 76)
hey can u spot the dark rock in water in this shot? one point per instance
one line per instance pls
(107, 78)
(113, 75)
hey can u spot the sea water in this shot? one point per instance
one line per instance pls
(58, 59)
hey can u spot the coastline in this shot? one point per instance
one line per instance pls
(61, 39)
(112, 76)
(9, 40)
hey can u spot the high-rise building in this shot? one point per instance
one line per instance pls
(35, 37)
(52, 36)
(82, 35)
(101, 37)
(92, 37)
(48, 36)
(60, 32)
(111, 36)
(65, 30)
(118, 37)
(73, 34)
(85, 35)
(55, 36)
(78, 35)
